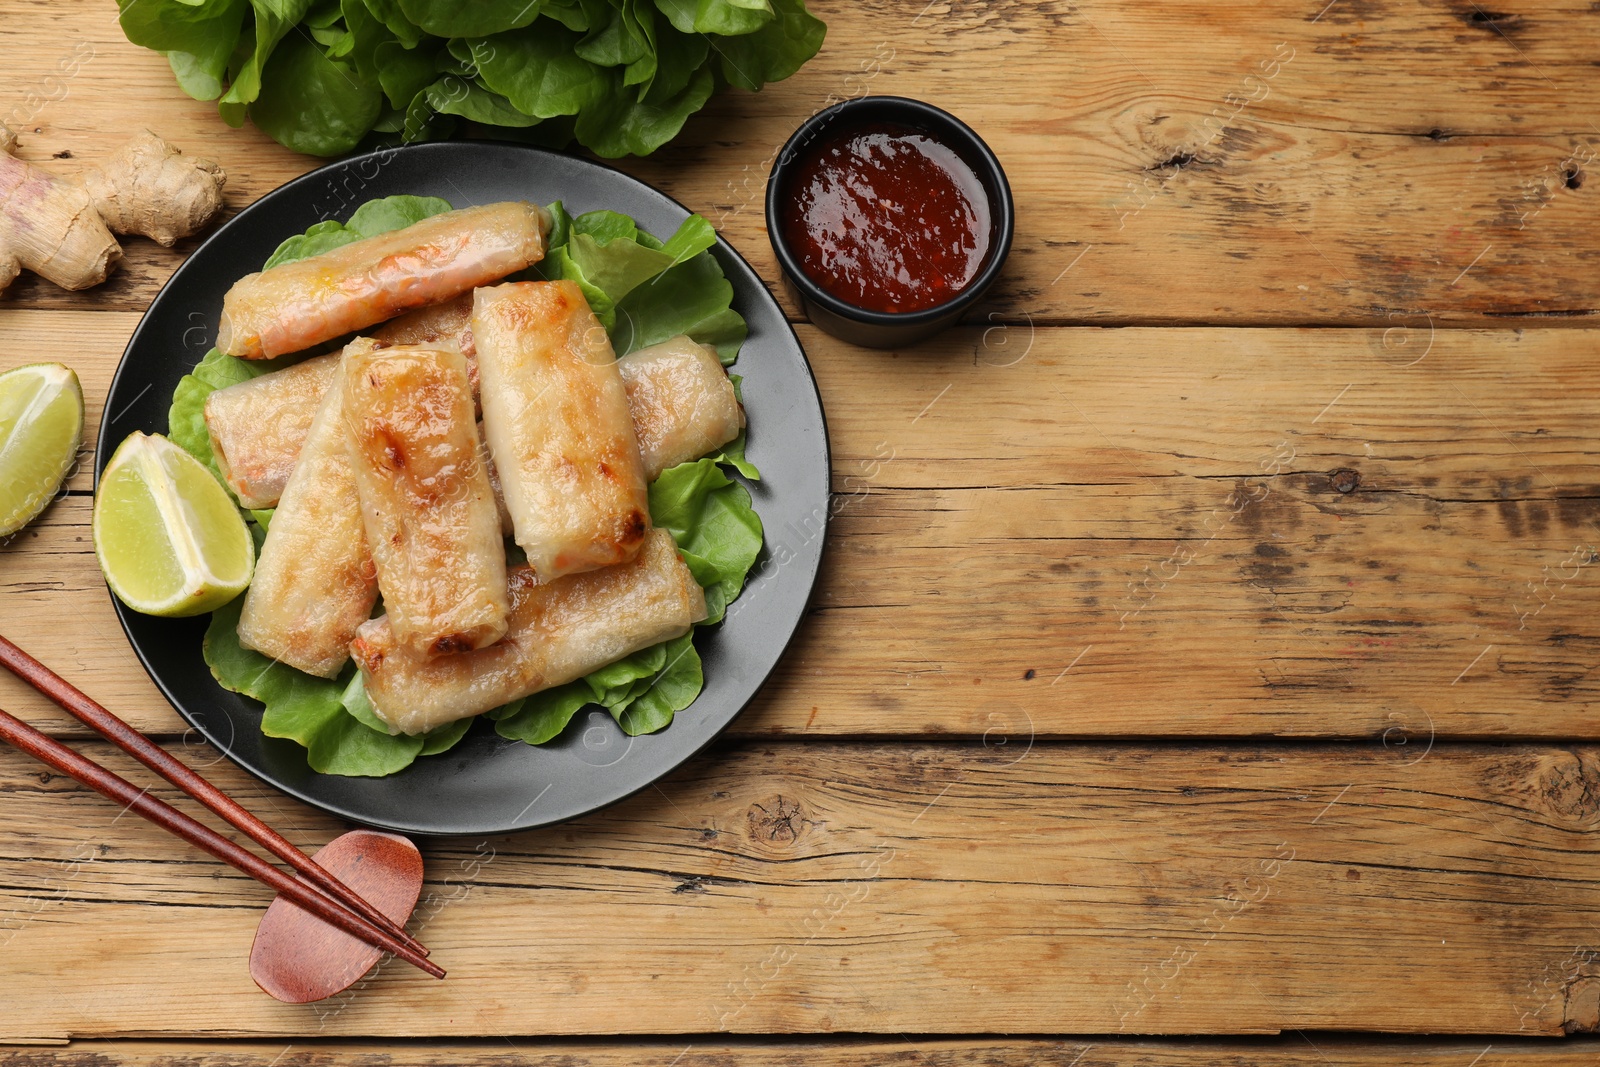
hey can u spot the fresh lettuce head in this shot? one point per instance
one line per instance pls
(619, 76)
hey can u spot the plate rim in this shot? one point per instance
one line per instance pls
(103, 451)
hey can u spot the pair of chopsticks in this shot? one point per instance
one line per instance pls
(326, 897)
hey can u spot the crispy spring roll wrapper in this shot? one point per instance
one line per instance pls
(314, 582)
(425, 498)
(296, 305)
(558, 633)
(555, 413)
(506, 528)
(258, 426)
(681, 400)
(448, 324)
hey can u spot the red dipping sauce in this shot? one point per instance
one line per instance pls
(886, 218)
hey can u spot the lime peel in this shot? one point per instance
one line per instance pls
(168, 538)
(39, 438)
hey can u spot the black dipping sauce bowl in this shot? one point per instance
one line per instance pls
(865, 326)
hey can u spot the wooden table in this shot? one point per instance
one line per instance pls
(1207, 638)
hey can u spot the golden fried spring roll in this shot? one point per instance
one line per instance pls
(448, 324)
(296, 305)
(555, 414)
(681, 400)
(314, 583)
(558, 633)
(425, 499)
(258, 426)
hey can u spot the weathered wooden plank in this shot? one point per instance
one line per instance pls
(898, 1052)
(1158, 510)
(1225, 165)
(1051, 888)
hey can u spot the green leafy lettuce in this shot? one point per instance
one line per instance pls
(619, 76)
(645, 290)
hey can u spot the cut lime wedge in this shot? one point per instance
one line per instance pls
(41, 427)
(169, 539)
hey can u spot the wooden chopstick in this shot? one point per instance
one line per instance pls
(87, 711)
(52, 752)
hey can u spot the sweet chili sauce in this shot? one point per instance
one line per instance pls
(886, 218)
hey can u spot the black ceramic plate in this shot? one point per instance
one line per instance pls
(487, 784)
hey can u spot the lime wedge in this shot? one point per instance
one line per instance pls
(169, 539)
(41, 427)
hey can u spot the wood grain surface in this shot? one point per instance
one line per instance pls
(1321, 1050)
(1359, 161)
(1318, 604)
(1132, 532)
(896, 889)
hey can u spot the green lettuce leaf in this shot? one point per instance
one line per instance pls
(620, 76)
(330, 718)
(273, 21)
(470, 18)
(542, 716)
(693, 298)
(444, 738)
(732, 453)
(717, 529)
(198, 37)
(199, 75)
(646, 291)
(617, 40)
(716, 16)
(672, 689)
(539, 70)
(677, 57)
(617, 124)
(404, 72)
(367, 32)
(394, 20)
(181, 25)
(773, 52)
(314, 104)
(455, 95)
(303, 708)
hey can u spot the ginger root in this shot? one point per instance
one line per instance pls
(61, 229)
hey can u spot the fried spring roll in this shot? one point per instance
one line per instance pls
(258, 426)
(448, 324)
(296, 305)
(428, 510)
(555, 413)
(314, 583)
(558, 633)
(681, 400)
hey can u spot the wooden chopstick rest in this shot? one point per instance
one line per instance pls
(297, 957)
